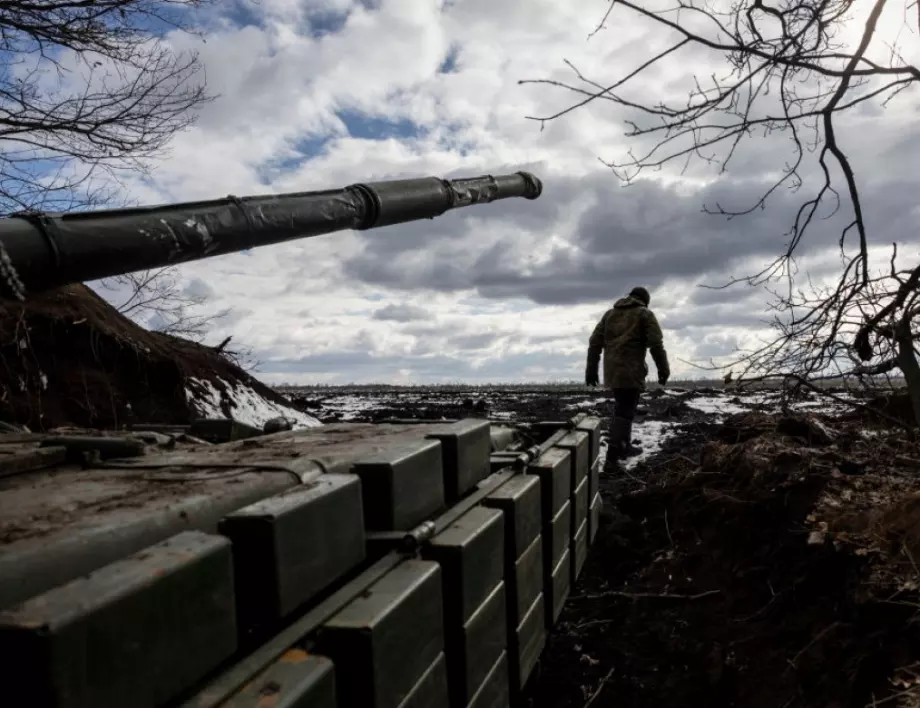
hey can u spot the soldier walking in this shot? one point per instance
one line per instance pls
(625, 333)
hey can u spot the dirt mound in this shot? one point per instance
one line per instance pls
(771, 566)
(67, 357)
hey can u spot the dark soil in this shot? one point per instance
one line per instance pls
(897, 406)
(433, 404)
(702, 590)
(67, 357)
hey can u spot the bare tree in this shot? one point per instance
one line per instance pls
(155, 298)
(87, 91)
(242, 355)
(784, 71)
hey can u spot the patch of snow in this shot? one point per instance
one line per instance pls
(43, 379)
(803, 405)
(650, 436)
(351, 406)
(250, 408)
(716, 405)
(205, 399)
(253, 409)
(826, 407)
(762, 398)
(588, 403)
(741, 402)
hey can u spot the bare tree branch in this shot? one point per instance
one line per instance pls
(785, 72)
(89, 91)
(155, 299)
(243, 356)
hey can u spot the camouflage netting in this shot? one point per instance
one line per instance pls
(69, 358)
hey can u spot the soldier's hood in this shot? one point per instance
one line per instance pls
(625, 303)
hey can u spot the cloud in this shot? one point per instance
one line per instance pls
(400, 313)
(358, 367)
(198, 289)
(647, 233)
(326, 93)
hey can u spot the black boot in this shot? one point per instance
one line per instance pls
(630, 449)
(620, 445)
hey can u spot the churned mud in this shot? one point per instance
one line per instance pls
(769, 562)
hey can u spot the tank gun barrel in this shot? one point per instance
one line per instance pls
(40, 251)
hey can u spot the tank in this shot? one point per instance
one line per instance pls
(40, 251)
(389, 565)
(397, 564)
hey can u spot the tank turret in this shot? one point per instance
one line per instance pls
(40, 251)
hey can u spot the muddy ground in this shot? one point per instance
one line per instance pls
(752, 559)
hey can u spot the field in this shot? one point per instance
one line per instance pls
(747, 558)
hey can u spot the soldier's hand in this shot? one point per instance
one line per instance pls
(591, 371)
(663, 377)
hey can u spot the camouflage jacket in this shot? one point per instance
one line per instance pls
(625, 333)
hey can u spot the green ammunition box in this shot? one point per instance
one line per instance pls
(134, 633)
(296, 680)
(387, 638)
(291, 546)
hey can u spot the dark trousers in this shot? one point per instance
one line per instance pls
(625, 402)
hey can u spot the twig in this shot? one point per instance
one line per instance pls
(713, 494)
(667, 527)
(818, 637)
(765, 607)
(646, 595)
(894, 696)
(592, 623)
(634, 479)
(600, 25)
(600, 687)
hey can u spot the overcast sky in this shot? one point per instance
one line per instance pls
(325, 93)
